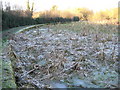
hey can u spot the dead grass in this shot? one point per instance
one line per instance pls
(77, 54)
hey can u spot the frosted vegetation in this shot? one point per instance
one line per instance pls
(78, 54)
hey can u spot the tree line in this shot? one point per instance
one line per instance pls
(82, 13)
(17, 17)
(10, 20)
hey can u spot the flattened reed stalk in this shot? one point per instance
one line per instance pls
(103, 53)
(96, 37)
(13, 56)
(113, 53)
(13, 52)
(48, 28)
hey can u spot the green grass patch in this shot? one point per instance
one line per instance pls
(8, 80)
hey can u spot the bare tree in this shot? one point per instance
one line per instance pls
(29, 11)
(7, 7)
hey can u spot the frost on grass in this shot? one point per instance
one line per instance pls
(62, 58)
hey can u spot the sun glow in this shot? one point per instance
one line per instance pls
(41, 5)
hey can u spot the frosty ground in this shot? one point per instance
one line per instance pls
(78, 54)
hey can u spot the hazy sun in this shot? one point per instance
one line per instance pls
(94, 5)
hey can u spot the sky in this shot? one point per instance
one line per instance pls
(41, 5)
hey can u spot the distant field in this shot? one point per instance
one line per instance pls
(87, 27)
(78, 54)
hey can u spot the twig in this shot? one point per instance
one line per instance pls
(49, 76)
(36, 66)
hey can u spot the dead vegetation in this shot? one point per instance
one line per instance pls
(60, 58)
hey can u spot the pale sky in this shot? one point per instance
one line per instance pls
(94, 5)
